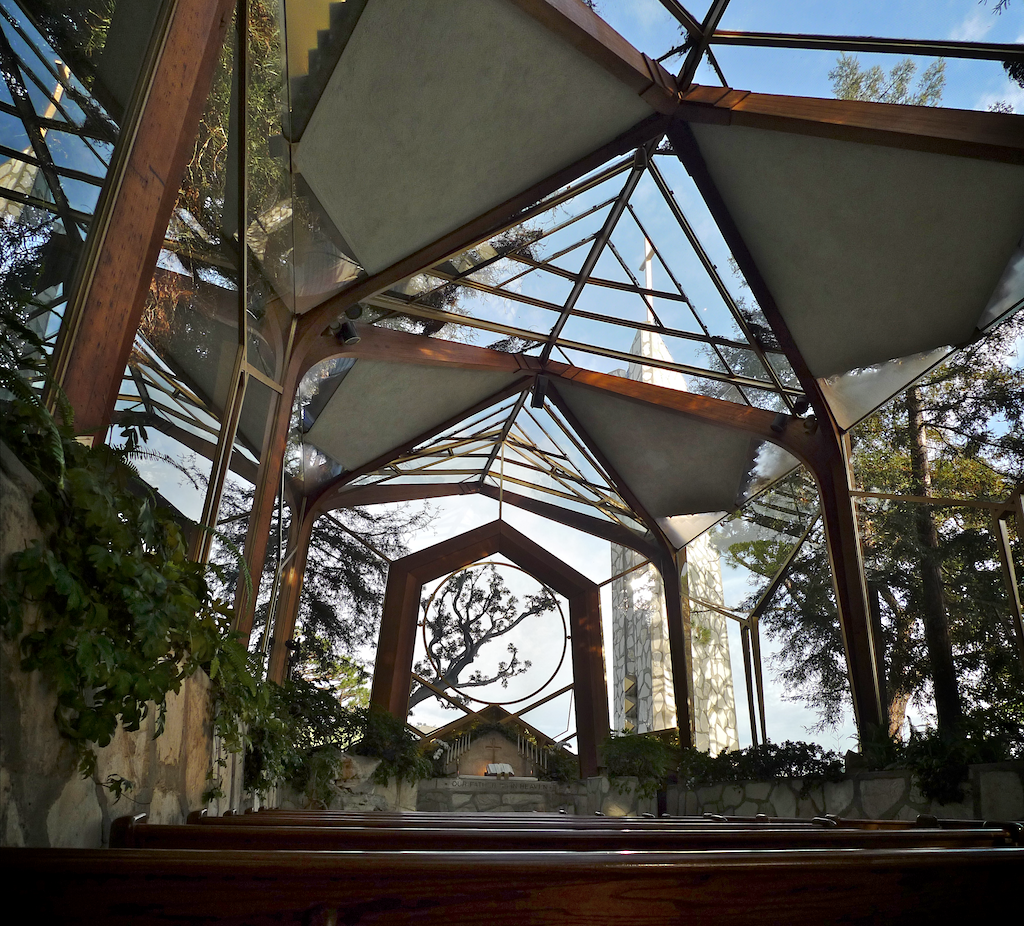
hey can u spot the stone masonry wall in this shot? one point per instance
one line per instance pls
(993, 792)
(44, 801)
(489, 795)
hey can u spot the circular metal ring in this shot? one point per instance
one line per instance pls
(561, 614)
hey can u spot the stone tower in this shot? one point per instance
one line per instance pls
(643, 694)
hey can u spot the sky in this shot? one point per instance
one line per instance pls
(969, 84)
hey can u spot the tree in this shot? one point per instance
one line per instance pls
(343, 588)
(473, 609)
(852, 82)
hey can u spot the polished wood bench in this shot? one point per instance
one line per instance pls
(533, 821)
(135, 832)
(803, 886)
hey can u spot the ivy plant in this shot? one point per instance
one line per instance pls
(648, 758)
(124, 616)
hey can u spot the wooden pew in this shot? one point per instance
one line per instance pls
(807, 886)
(135, 832)
(533, 821)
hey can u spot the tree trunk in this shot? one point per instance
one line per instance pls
(936, 620)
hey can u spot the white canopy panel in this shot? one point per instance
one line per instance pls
(673, 464)
(871, 252)
(381, 406)
(437, 112)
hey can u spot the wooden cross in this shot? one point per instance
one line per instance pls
(494, 750)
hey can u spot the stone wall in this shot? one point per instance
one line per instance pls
(354, 791)
(993, 792)
(44, 801)
(491, 795)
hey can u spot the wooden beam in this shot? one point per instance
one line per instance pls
(321, 497)
(866, 44)
(825, 452)
(596, 527)
(959, 132)
(289, 597)
(582, 28)
(99, 327)
(398, 346)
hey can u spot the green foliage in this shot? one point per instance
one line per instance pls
(646, 757)
(292, 733)
(765, 762)
(940, 763)
(852, 82)
(401, 752)
(562, 766)
(126, 616)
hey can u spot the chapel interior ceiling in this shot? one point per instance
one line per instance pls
(623, 268)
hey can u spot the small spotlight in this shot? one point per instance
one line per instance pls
(780, 422)
(354, 311)
(800, 407)
(540, 391)
(347, 333)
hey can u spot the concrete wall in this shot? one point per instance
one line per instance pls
(44, 801)
(993, 792)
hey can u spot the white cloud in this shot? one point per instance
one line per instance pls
(974, 26)
(1012, 94)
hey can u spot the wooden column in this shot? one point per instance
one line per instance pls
(842, 536)
(397, 641)
(268, 484)
(678, 613)
(290, 594)
(592, 725)
(157, 140)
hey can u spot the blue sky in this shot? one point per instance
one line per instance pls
(969, 84)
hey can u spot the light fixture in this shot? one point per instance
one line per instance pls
(347, 333)
(800, 406)
(780, 422)
(540, 391)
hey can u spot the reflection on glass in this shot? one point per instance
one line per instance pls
(855, 394)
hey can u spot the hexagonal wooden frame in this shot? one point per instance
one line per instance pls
(406, 577)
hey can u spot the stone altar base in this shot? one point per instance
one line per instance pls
(491, 795)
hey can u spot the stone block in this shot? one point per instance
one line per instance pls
(838, 797)
(358, 767)
(1002, 795)
(880, 797)
(809, 806)
(732, 797)
(621, 803)
(960, 811)
(460, 800)
(75, 820)
(757, 790)
(487, 801)
(783, 800)
(521, 797)
(747, 809)
(165, 808)
(168, 743)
